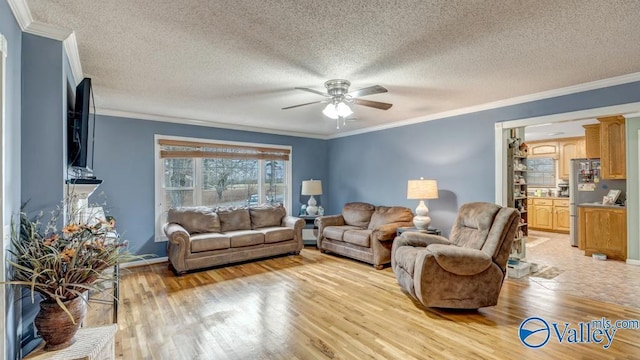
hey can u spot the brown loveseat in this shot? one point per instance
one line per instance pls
(466, 270)
(201, 237)
(363, 231)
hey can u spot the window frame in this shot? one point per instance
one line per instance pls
(160, 216)
(530, 172)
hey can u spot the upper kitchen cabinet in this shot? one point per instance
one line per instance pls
(543, 148)
(612, 148)
(570, 148)
(592, 141)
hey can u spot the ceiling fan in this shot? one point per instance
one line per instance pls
(338, 97)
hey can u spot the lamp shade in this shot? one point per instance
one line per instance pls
(330, 111)
(343, 109)
(311, 187)
(422, 189)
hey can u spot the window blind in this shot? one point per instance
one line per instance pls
(192, 149)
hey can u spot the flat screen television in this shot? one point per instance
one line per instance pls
(80, 130)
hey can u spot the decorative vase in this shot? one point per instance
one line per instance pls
(55, 326)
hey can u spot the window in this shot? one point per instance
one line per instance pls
(541, 172)
(199, 172)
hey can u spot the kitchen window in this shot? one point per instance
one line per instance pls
(541, 172)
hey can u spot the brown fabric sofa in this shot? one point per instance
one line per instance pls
(201, 237)
(465, 271)
(363, 231)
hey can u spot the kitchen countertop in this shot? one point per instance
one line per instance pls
(600, 205)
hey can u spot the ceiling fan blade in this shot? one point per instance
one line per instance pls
(314, 91)
(376, 89)
(373, 104)
(309, 103)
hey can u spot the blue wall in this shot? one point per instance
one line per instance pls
(43, 115)
(124, 159)
(11, 149)
(44, 107)
(457, 151)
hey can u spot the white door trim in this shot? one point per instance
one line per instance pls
(3, 229)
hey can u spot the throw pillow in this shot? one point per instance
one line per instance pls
(266, 215)
(234, 219)
(195, 219)
(357, 214)
(390, 214)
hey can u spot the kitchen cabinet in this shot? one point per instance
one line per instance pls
(570, 148)
(561, 217)
(603, 230)
(543, 149)
(543, 214)
(592, 141)
(563, 150)
(612, 148)
(549, 214)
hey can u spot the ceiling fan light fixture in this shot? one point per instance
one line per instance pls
(330, 111)
(343, 110)
(334, 111)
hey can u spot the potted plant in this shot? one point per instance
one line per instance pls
(62, 266)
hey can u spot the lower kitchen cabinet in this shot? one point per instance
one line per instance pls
(549, 214)
(561, 217)
(603, 230)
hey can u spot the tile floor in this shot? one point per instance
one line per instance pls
(609, 281)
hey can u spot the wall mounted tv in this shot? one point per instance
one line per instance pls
(80, 129)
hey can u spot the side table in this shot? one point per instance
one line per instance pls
(310, 230)
(92, 343)
(113, 237)
(432, 231)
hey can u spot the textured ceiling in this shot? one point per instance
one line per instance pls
(238, 61)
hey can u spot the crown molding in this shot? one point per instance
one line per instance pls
(71, 47)
(21, 12)
(198, 122)
(23, 16)
(49, 31)
(574, 89)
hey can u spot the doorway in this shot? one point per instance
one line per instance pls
(502, 134)
(579, 267)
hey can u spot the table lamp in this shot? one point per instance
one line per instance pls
(422, 190)
(312, 187)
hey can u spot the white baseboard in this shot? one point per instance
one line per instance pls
(633, 262)
(144, 262)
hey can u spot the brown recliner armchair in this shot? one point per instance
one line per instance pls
(465, 271)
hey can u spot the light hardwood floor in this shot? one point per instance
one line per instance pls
(317, 306)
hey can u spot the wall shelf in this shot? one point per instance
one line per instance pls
(517, 195)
